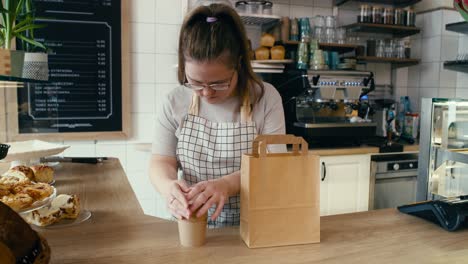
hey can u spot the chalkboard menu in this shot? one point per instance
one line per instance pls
(86, 89)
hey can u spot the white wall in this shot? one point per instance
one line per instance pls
(434, 46)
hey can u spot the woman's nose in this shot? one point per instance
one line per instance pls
(207, 91)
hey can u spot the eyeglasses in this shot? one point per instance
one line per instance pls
(215, 86)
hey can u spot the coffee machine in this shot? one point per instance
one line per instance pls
(327, 108)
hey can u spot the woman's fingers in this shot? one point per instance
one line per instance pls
(198, 201)
(183, 186)
(177, 193)
(196, 189)
(219, 207)
(177, 210)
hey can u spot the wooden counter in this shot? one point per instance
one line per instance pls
(146, 147)
(119, 233)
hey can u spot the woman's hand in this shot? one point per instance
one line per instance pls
(177, 203)
(205, 194)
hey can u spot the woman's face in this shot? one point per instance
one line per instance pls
(211, 73)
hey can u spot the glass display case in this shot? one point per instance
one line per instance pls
(443, 156)
(442, 188)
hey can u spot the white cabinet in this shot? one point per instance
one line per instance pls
(344, 185)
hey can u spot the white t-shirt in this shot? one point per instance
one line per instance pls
(268, 115)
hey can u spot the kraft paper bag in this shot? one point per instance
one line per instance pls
(279, 194)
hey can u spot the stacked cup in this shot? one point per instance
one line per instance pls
(192, 231)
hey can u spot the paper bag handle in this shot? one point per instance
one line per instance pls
(260, 144)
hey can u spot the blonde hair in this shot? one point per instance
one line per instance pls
(216, 32)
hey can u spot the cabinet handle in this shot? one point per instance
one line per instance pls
(324, 169)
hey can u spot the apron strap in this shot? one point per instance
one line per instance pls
(245, 111)
(194, 105)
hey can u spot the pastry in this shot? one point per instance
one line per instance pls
(262, 53)
(17, 239)
(277, 53)
(9, 183)
(44, 216)
(37, 191)
(13, 176)
(28, 172)
(17, 201)
(267, 40)
(68, 204)
(43, 173)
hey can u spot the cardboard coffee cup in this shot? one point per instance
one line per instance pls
(192, 231)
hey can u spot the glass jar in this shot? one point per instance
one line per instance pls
(388, 16)
(377, 17)
(399, 17)
(241, 7)
(380, 49)
(268, 8)
(364, 15)
(330, 21)
(330, 35)
(319, 34)
(319, 21)
(410, 18)
(390, 49)
(407, 49)
(340, 35)
(294, 31)
(400, 50)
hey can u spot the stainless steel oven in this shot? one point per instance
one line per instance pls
(395, 179)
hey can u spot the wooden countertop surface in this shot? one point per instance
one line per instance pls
(119, 232)
(321, 152)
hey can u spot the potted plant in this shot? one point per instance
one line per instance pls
(17, 21)
(462, 7)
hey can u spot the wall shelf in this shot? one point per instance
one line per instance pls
(460, 65)
(259, 20)
(460, 27)
(341, 48)
(395, 3)
(395, 30)
(396, 62)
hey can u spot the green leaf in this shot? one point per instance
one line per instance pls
(27, 27)
(24, 22)
(31, 41)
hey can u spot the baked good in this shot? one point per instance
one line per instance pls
(64, 206)
(43, 173)
(68, 204)
(262, 53)
(18, 240)
(267, 40)
(28, 172)
(278, 53)
(14, 176)
(44, 216)
(17, 201)
(38, 191)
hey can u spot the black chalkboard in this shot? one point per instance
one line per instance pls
(84, 93)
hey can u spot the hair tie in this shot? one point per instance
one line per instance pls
(211, 19)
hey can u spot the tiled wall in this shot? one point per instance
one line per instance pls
(434, 46)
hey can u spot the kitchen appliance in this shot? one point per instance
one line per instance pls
(443, 163)
(327, 107)
(395, 179)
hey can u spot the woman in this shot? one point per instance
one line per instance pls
(205, 125)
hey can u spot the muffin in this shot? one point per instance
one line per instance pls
(278, 53)
(43, 173)
(262, 53)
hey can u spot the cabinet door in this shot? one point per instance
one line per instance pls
(345, 184)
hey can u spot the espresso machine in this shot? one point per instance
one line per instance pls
(328, 108)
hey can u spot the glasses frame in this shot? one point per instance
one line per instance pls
(199, 87)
